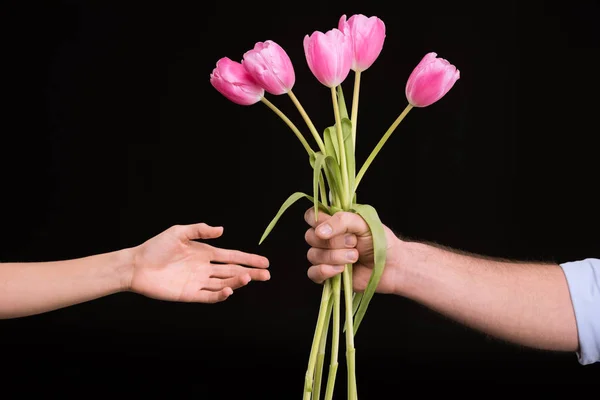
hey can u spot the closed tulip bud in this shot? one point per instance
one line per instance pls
(234, 82)
(270, 66)
(367, 35)
(329, 56)
(431, 79)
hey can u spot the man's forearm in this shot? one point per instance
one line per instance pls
(33, 288)
(524, 303)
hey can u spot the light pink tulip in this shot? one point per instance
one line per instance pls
(367, 35)
(430, 80)
(232, 80)
(329, 56)
(271, 67)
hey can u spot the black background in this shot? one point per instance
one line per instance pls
(111, 133)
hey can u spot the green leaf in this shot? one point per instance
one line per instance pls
(342, 103)
(356, 299)
(332, 172)
(334, 177)
(349, 148)
(331, 144)
(286, 204)
(370, 215)
(334, 209)
(318, 165)
(356, 302)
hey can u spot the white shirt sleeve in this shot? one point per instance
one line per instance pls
(583, 279)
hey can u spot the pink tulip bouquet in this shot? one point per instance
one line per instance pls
(353, 46)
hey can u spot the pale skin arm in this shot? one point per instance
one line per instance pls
(524, 303)
(171, 266)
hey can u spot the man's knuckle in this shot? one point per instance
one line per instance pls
(310, 254)
(322, 271)
(307, 235)
(333, 242)
(308, 215)
(329, 257)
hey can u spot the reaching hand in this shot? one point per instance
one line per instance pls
(173, 266)
(345, 238)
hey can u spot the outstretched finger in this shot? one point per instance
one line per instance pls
(215, 284)
(207, 296)
(237, 281)
(239, 257)
(320, 273)
(231, 270)
(198, 231)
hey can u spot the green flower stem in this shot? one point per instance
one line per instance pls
(354, 113)
(343, 165)
(382, 141)
(321, 354)
(309, 123)
(289, 123)
(335, 338)
(350, 350)
(308, 382)
(347, 281)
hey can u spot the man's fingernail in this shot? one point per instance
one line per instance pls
(350, 256)
(349, 240)
(325, 229)
(338, 267)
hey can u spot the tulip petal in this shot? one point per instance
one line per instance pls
(431, 79)
(367, 35)
(270, 66)
(232, 80)
(329, 56)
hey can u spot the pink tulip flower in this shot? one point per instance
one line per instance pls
(367, 35)
(232, 80)
(271, 67)
(430, 80)
(329, 56)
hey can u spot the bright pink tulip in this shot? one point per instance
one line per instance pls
(232, 80)
(271, 67)
(367, 35)
(329, 56)
(430, 80)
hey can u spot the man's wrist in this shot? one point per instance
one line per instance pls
(410, 260)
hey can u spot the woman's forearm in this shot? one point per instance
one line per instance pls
(523, 303)
(33, 288)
